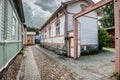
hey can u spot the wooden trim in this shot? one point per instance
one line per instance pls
(92, 8)
(90, 17)
(66, 22)
(53, 43)
(54, 36)
(70, 36)
(70, 31)
(72, 47)
(7, 42)
(87, 44)
(117, 35)
(70, 12)
(75, 27)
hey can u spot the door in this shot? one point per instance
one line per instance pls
(71, 47)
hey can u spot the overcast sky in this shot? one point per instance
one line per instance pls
(38, 11)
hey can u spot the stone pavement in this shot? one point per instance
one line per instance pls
(40, 63)
(91, 67)
(28, 69)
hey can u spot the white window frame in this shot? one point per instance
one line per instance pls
(58, 29)
(14, 28)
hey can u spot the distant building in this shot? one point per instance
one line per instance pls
(24, 35)
(37, 39)
(58, 31)
(30, 38)
(111, 31)
(11, 24)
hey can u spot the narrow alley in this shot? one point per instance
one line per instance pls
(42, 64)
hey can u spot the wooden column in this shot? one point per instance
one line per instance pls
(75, 22)
(117, 35)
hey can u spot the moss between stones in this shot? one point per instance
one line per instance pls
(116, 76)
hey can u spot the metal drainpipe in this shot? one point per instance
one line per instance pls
(65, 31)
(5, 31)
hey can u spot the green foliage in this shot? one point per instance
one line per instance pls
(107, 19)
(103, 37)
(33, 29)
(116, 76)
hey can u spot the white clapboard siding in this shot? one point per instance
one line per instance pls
(89, 30)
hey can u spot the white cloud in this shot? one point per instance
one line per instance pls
(38, 11)
(96, 1)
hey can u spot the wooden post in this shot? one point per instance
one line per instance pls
(117, 35)
(75, 22)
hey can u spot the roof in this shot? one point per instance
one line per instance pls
(31, 33)
(19, 7)
(61, 9)
(24, 25)
(109, 28)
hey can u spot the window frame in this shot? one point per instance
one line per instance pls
(14, 28)
(57, 28)
(49, 31)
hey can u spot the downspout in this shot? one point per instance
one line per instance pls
(65, 26)
(5, 31)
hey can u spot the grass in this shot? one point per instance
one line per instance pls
(116, 76)
(109, 48)
(22, 51)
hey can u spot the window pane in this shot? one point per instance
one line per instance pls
(14, 28)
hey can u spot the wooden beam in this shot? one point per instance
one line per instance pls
(117, 26)
(117, 35)
(92, 8)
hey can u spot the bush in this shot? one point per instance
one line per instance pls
(104, 38)
(116, 76)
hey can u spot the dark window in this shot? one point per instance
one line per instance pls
(49, 31)
(58, 28)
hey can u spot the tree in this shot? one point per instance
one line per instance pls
(104, 38)
(33, 29)
(107, 19)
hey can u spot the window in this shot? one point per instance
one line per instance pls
(45, 33)
(49, 31)
(83, 7)
(14, 28)
(58, 28)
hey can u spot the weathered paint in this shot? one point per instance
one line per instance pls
(1, 55)
(9, 47)
(117, 35)
(89, 31)
(53, 38)
(73, 29)
(12, 49)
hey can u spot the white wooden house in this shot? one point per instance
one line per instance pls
(58, 31)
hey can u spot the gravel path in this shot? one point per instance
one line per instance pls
(50, 69)
(91, 67)
(28, 69)
(43, 64)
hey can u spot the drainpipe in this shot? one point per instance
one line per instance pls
(5, 31)
(65, 26)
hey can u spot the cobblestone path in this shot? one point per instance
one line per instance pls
(42, 64)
